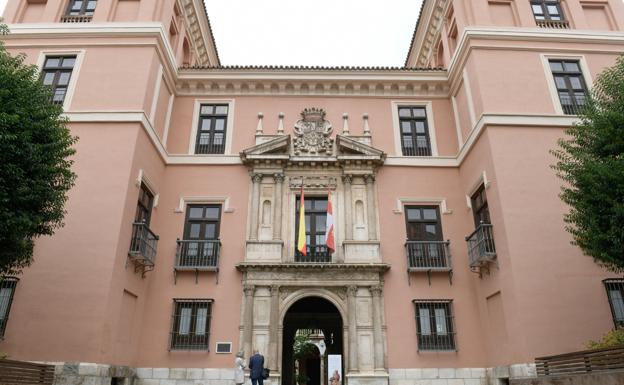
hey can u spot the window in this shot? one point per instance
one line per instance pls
(7, 289)
(415, 139)
(212, 128)
(434, 323)
(480, 210)
(615, 293)
(190, 328)
(547, 10)
(425, 245)
(56, 73)
(144, 206)
(200, 247)
(315, 218)
(81, 7)
(570, 84)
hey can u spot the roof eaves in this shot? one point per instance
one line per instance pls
(409, 52)
(214, 43)
(312, 68)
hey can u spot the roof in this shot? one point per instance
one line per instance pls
(214, 43)
(422, 7)
(311, 68)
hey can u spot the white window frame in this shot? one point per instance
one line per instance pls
(428, 104)
(550, 79)
(69, 95)
(229, 129)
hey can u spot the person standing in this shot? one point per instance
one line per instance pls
(256, 368)
(239, 368)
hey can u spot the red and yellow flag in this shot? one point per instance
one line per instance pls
(301, 235)
(329, 225)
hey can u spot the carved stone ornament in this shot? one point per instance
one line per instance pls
(312, 133)
(313, 182)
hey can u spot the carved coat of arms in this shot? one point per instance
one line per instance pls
(312, 133)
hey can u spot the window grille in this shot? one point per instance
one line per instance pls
(425, 246)
(56, 73)
(316, 222)
(615, 293)
(200, 246)
(7, 289)
(212, 129)
(570, 85)
(190, 326)
(435, 325)
(415, 139)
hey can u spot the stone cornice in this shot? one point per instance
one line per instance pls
(426, 33)
(258, 266)
(200, 32)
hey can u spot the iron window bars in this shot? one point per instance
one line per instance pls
(211, 129)
(415, 140)
(315, 218)
(7, 290)
(548, 14)
(570, 84)
(56, 73)
(435, 325)
(615, 293)
(143, 242)
(190, 324)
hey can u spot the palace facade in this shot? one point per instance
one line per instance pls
(452, 265)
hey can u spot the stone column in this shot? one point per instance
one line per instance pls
(277, 206)
(273, 329)
(255, 205)
(377, 331)
(353, 346)
(346, 180)
(248, 320)
(370, 197)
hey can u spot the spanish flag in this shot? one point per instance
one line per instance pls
(301, 235)
(329, 230)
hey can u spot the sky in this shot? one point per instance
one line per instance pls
(311, 32)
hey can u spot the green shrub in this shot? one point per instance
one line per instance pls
(613, 338)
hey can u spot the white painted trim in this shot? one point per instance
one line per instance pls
(73, 80)
(460, 138)
(159, 80)
(168, 120)
(229, 129)
(428, 104)
(482, 180)
(222, 200)
(401, 202)
(143, 179)
(550, 80)
(204, 159)
(468, 91)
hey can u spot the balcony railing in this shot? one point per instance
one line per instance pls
(202, 255)
(143, 246)
(76, 19)
(556, 24)
(314, 254)
(481, 247)
(433, 255)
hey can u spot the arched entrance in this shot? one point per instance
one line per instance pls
(320, 319)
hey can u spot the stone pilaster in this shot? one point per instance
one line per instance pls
(353, 345)
(377, 329)
(255, 205)
(273, 330)
(347, 180)
(370, 198)
(277, 206)
(248, 319)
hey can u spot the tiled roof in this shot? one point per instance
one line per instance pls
(214, 43)
(422, 7)
(309, 68)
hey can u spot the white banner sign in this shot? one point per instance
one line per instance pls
(334, 369)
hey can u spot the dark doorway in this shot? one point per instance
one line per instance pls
(314, 314)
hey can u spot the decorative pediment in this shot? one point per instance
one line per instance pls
(276, 148)
(350, 147)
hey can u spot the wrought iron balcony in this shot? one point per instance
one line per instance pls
(430, 255)
(76, 19)
(143, 246)
(314, 254)
(556, 24)
(202, 255)
(481, 247)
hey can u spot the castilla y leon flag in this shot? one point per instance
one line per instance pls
(329, 225)
(301, 235)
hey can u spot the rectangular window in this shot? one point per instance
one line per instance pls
(200, 246)
(425, 245)
(81, 7)
(144, 206)
(435, 325)
(570, 84)
(480, 210)
(190, 328)
(414, 131)
(212, 129)
(547, 10)
(315, 218)
(7, 289)
(56, 73)
(615, 293)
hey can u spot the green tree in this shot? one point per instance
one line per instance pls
(590, 160)
(35, 164)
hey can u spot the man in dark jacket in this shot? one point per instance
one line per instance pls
(256, 368)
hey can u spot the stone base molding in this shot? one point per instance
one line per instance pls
(463, 376)
(84, 373)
